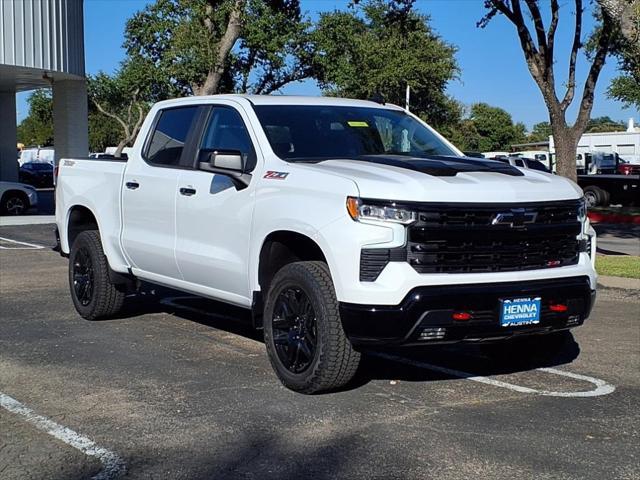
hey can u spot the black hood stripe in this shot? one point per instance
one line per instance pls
(441, 166)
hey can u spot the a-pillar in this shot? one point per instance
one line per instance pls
(70, 119)
(8, 135)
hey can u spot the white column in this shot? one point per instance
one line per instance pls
(8, 137)
(70, 119)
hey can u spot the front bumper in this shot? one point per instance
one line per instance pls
(430, 309)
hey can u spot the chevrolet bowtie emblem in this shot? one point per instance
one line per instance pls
(515, 218)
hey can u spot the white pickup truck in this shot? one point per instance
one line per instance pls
(342, 224)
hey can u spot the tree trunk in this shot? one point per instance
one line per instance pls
(228, 40)
(566, 146)
(120, 147)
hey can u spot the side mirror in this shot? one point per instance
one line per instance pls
(226, 162)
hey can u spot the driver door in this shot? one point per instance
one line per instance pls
(213, 216)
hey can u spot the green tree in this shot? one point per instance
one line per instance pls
(103, 131)
(37, 126)
(124, 98)
(626, 87)
(380, 47)
(494, 128)
(202, 47)
(604, 124)
(540, 132)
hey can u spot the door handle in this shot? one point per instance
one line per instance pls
(132, 185)
(187, 191)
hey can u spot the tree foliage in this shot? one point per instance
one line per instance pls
(204, 47)
(124, 98)
(486, 129)
(604, 124)
(626, 87)
(378, 47)
(540, 132)
(37, 126)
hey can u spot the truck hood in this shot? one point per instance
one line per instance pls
(448, 179)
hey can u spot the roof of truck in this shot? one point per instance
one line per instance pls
(285, 100)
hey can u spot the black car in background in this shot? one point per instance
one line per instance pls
(38, 174)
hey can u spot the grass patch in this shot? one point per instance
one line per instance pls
(618, 266)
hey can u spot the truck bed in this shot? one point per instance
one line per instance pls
(95, 184)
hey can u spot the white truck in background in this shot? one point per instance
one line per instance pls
(342, 225)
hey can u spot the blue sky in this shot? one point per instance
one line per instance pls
(493, 69)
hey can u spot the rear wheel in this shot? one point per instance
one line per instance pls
(303, 333)
(92, 292)
(14, 203)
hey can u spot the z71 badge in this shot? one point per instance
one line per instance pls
(276, 175)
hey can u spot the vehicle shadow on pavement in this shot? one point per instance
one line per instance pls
(468, 359)
(262, 453)
(482, 360)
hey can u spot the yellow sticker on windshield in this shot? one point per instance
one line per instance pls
(357, 124)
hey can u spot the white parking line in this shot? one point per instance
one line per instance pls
(602, 387)
(113, 466)
(26, 245)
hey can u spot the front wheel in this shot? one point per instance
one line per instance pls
(303, 333)
(92, 292)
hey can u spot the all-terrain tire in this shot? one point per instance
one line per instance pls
(334, 361)
(102, 299)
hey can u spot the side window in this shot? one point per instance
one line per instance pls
(226, 131)
(519, 163)
(168, 138)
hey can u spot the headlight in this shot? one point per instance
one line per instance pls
(582, 215)
(582, 210)
(362, 211)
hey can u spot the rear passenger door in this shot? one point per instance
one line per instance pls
(213, 217)
(149, 194)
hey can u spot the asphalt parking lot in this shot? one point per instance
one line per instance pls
(180, 387)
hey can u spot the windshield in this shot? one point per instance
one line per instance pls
(315, 132)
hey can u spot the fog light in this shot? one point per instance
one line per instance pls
(558, 307)
(432, 333)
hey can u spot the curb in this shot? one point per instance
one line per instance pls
(619, 282)
(597, 217)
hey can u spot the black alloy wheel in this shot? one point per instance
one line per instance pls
(294, 329)
(83, 276)
(306, 343)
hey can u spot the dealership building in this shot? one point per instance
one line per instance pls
(42, 46)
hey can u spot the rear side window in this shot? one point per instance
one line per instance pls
(169, 136)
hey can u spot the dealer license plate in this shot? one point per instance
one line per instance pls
(519, 311)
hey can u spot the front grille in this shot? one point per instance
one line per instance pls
(474, 238)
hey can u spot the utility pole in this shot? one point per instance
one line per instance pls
(406, 98)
